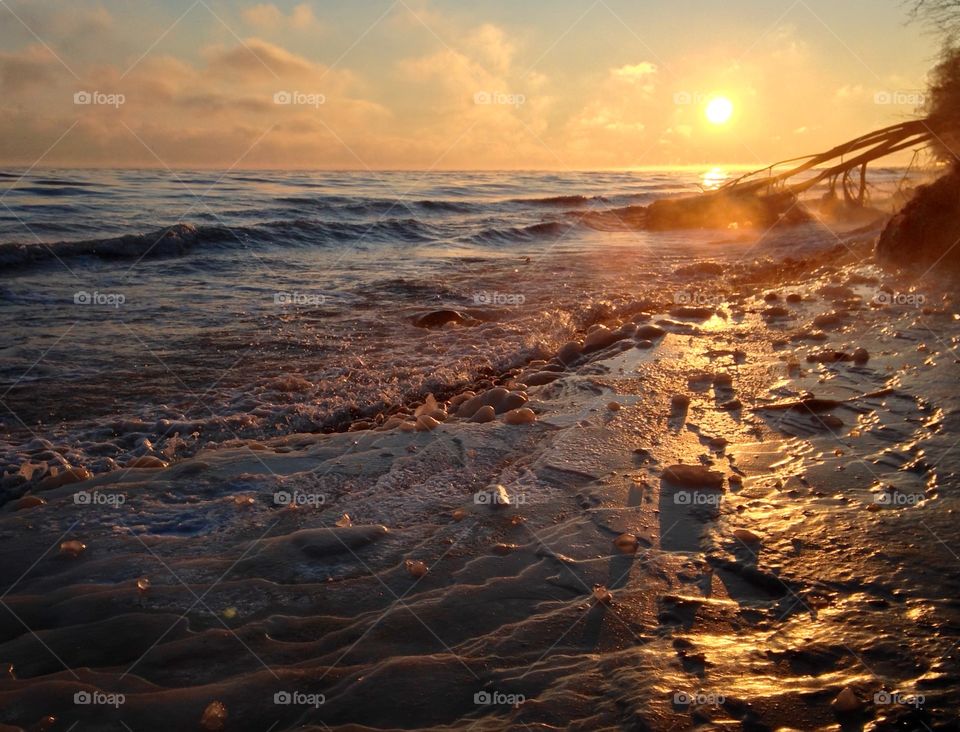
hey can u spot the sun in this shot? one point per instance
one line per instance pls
(719, 110)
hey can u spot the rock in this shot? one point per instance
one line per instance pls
(649, 332)
(27, 502)
(459, 515)
(828, 320)
(723, 381)
(484, 414)
(415, 568)
(627, 543)
(72, 548)
(693, 313)
(614, 406)
(794, 297)
(503, 549)
(570, 352)
(439, 318)
(501, 399)
(214, 717)
(747, 536)
(602, 595)
(520, 416)
(146, 461)
(776, 311)
(861, 356)
(846, 701)
(540, 378)
(599, 339)
(426, 423)
(644, 344)
(693, 476)
(732, 405)
(65, 477)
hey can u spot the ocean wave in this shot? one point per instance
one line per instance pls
(182, 238)
(504, 235)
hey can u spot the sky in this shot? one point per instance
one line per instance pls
(448, 84)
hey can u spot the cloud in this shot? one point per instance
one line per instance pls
(267, 17)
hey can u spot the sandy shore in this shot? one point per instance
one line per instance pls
(366, 580)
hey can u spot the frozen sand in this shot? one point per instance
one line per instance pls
(847, 586)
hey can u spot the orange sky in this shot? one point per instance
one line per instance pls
(448, 85)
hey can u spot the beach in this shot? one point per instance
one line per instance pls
(709, 486)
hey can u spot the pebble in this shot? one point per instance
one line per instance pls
(28, 502)
(649, 332)
(214, 717)
(627, 543)
(861, 356)
(415, 568)
(426, 423)
(747, 536)
(614, 406)
(602, 595)
(484, 414)
(459, 515)
(679, 401)
(523, 415)
(72, 548)
(146, 461)
(846, 701)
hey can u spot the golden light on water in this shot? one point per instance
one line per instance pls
(719, 110)
(714, 178)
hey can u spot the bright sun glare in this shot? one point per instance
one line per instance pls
(719, 110)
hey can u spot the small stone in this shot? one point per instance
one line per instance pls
(614, 406)
(72, 548)
(459, 515)
(503, 549)
(861, 356)
(733, 405)
(627, 543)
(28, 502)
(344, 521)
(214, 717)
(147, 461)
(747, 536)
(602, 595)
(415, 568)
(524, 415)
(484, 414)
(679, 401)
(143, 585)
(846, 701)
(426, 423)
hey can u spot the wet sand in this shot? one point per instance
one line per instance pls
(723, 517)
